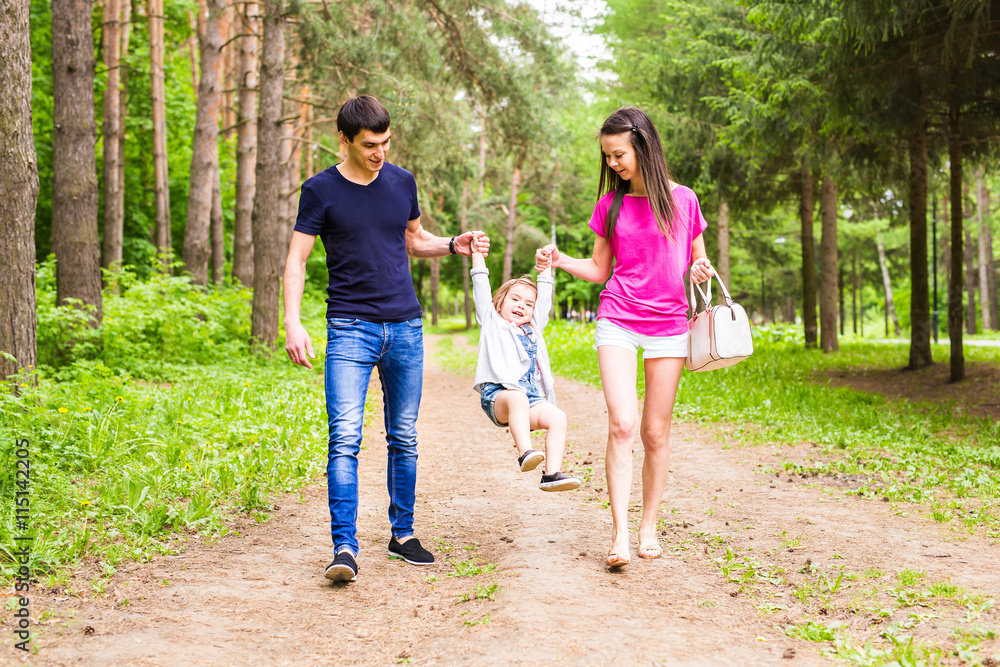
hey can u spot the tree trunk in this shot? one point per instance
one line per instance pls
(18, 192)
(722, 266)
(126, 33)
(945, 217)
(463, 221)
(987, 279)
(854, 293)
(970, 282)
(305, 146)
(482, 155)
(218, 233)
(828, 263)
(113, 204)
(229, 67)
(266, 222)
(435, 285)
(246, 149)
(195, 23)
(806, 208)
(890, 304)
(553, 206)
(161, 186)
(508, 251)
(955, 281)
(920, 303)
(205, 145)
(859, 276)
(75, 240)
(991, 268)
(840, 289)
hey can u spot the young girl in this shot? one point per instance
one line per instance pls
(513, 375)
(650, 229)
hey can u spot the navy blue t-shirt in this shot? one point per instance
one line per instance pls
(363, 228)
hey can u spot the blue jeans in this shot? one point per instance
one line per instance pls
(353, 348)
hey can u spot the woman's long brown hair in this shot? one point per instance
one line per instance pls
(652, 165)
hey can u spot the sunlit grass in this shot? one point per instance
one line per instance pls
(782, 394)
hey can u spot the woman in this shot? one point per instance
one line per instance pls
(650, 229)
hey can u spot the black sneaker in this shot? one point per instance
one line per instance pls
(343, 568)
(558, 482)
(410, 551)
(530, 460)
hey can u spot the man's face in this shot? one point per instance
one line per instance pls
(368, 150)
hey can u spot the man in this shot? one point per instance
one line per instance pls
(365, 211)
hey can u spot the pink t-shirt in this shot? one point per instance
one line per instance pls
(647, 292)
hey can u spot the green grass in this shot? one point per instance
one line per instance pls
(900, 451)
(157, 428)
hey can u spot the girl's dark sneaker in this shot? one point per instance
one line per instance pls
(530, 460)
(558, 482)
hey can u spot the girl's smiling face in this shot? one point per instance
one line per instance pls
(620, 155)
(519, 304)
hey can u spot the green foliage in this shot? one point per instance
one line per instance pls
(903, 451)
(150, 328)
(125, 465)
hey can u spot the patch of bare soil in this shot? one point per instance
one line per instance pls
(978, 395)
(260, 597)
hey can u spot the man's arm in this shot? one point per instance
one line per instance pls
(421, 243)
(298, 344)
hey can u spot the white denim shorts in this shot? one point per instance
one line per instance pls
(653, 347)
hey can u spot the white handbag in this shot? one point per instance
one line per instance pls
(718, 336)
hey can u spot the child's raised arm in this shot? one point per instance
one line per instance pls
(478, 261)
(482, 295)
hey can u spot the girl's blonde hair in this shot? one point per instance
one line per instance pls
(501, 292)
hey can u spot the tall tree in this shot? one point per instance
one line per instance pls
(807, 207)
(828, 262)
(161, 183)
(515, 182)
(218, 233)
(75, 240)
(267, 223)
(205, 149)
(987, 272)
(246, 145)
(920, 302)
(126, 34)
(114, 214)
(18, 192)
(955, 309)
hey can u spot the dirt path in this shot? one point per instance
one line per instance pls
(260, 597)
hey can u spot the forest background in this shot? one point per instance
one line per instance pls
(151, 155)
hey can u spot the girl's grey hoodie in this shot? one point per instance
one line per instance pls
(502, 358)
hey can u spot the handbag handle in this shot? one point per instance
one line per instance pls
(706, 294)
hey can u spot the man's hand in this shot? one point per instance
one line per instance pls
(476, 241)
(546, 257)
(701, 270)
(298, 345)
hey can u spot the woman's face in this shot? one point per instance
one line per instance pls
(519, 304)
(620, 155)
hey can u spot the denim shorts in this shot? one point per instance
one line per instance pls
(488, 396)
(653, 347)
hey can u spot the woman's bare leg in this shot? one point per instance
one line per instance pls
(618, 371)
(662, 378)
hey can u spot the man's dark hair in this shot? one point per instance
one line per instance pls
(363, 112)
